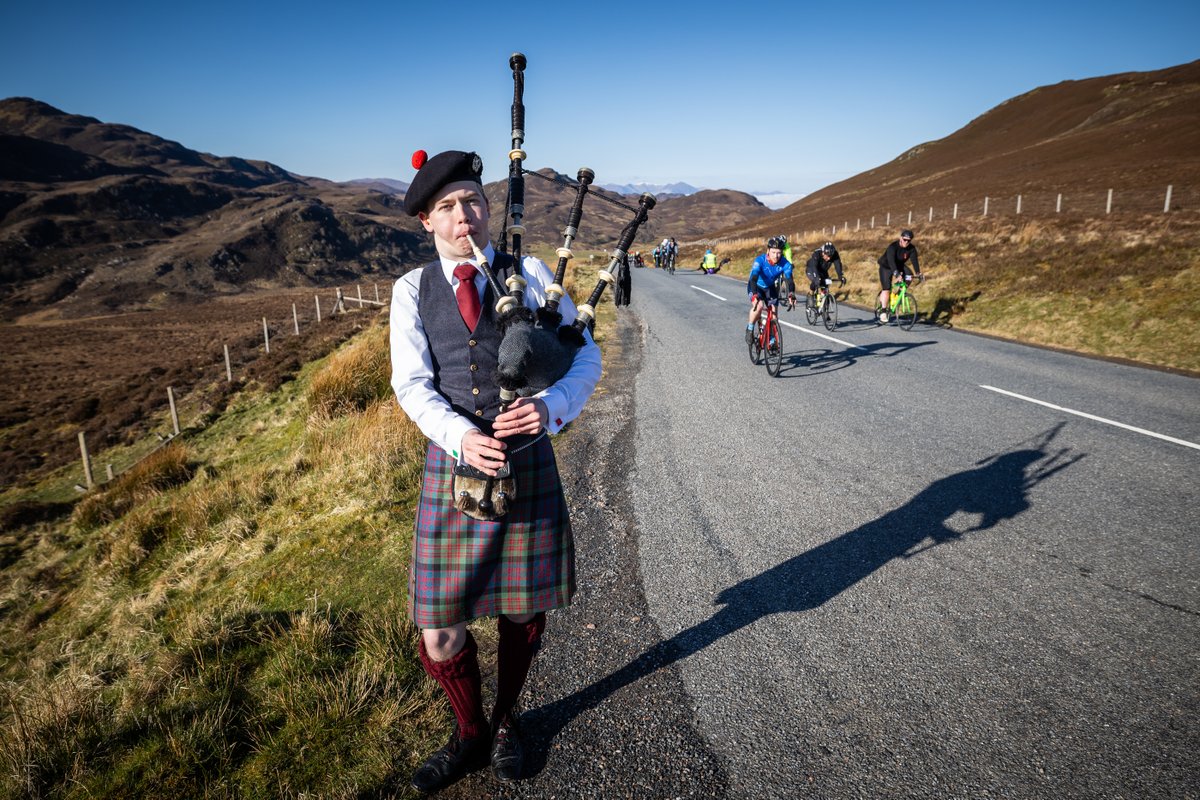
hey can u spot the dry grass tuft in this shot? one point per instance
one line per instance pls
(354, 378)
(161, 470)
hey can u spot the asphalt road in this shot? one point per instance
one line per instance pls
(871, 576)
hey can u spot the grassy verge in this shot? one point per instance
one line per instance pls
(228, 619)
(1125, 289)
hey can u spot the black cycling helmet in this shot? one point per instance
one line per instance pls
(776, 241)
(906, 234)
(828, 249)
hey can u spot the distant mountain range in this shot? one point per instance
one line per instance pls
(657, 189)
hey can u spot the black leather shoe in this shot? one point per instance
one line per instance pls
(458, 757)
(508, 753)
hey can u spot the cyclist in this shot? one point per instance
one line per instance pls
(709, 263)
(817, 268)
(787, 249)
(894, 262)
(657, 257)
(761, 285)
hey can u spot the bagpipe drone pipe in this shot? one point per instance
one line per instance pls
(536, 349)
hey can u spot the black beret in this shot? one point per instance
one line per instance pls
(434, 173)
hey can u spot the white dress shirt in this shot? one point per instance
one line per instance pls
(412, 367)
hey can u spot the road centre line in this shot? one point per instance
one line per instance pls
(707, 292)
(1085, 415)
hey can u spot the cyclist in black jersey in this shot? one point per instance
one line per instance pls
(817, 268)
(897, 258)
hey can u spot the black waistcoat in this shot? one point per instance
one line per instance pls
(464, 362)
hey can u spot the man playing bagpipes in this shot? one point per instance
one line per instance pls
(519, 564)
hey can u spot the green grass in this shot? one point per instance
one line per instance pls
(227, 619)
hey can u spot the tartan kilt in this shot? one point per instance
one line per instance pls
(464, 568)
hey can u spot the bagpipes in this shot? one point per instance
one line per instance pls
(536, 349)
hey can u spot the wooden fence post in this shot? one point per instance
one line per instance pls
(1108, 206)
(174, 412)
(228, 367)
(872, 223)
(87, 461)
(931, 213)
(108, 470)
(1018, 204)
(295, 319)
(910, 216)
(1167, 202)
(889, 220)
(377, 293)
(339, 304)
(317, 297)
(985, 202)
(1058, 204)
(956, 210)
(358, 287)
(266, 335)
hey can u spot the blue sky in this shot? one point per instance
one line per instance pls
(757, 96)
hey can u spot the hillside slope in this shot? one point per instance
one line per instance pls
(1133, 132)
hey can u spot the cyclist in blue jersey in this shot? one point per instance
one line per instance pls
(761, 286)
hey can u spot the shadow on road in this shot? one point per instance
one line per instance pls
(996, 490)
(817, 360)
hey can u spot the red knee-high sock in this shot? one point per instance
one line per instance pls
(518, 644)
(459, 678)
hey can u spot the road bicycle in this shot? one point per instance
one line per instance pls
(767, 339)
(822, 305)
(902, 308)
(670, 263)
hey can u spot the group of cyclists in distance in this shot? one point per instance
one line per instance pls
(764, 284)
(665, 254)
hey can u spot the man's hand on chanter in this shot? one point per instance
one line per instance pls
(525, 415)
(482, 451)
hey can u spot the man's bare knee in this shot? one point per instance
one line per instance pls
(443, 644)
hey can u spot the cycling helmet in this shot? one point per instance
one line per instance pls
(828, 249)
(775, 241)
(782, 239)
(906, 234)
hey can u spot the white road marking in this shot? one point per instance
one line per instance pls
(1142, 431)
(823, 336)
(707, 292)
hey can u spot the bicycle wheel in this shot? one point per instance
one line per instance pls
(830, 315)
(810, 309)
(774, 351)
(906, 311)
(755, 348)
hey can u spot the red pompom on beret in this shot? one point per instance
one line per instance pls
(419, 158)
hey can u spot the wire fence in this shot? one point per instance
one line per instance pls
(340, 304)
(1084, 203)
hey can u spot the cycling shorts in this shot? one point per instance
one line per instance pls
(885, 277)
(766, 293)
(817, 275)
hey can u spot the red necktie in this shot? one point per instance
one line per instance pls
(468, 297)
